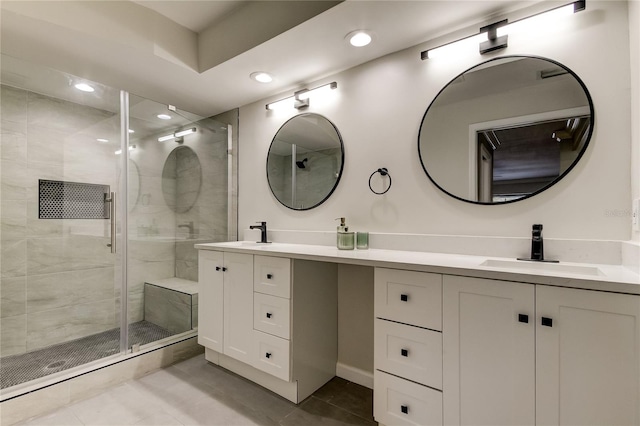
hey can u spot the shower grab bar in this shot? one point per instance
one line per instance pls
(111, 199)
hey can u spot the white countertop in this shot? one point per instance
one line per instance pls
(603, 277)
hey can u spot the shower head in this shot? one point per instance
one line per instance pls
(300, 164)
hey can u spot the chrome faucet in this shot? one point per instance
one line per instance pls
(263, 231)
(189, 227)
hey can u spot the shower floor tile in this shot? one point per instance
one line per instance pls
(17, 369)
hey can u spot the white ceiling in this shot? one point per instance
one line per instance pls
(195, 15)
(116, 53)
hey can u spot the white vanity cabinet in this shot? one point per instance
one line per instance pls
(407, 347)
(518, 353)
(226, 290)
(270, 319)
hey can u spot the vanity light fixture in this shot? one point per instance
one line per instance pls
(495, 36)
(131, 148)
(300, 99)
(177, 135)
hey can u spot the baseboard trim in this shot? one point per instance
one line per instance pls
(355, 375)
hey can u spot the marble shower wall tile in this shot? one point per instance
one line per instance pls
(14, 141)
(13, 258)
(13, 104)
(13, 296)
(51, 291)
(13, 335)
(13, 219)
(68, 323)
(14, 181)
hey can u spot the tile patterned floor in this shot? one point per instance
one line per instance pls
(194, 392)
(17, 369)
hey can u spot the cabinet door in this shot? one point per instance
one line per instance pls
(210, 291)
(588, 357)
(488, 362)
(238, 303)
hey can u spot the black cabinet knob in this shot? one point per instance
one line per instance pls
(268, 354)
(404, 297)
(224, 269)
(218, 268)
(404, 352)
(269, 314)
(404, 409)
(523, 318)
(269, 276)
(547, 322)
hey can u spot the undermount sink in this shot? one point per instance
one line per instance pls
(249, 243)
(523, 265)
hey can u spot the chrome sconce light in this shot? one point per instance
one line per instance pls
(300, 99)
(495, 36)
(178, 136)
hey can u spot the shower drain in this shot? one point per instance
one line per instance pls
(56, 364)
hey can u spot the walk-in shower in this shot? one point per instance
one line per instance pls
(87, 272)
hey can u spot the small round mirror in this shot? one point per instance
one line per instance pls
(506, 129)
(181, 179)
(305, 161)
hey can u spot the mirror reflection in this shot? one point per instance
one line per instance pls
(181, 179)
(505, 130)
(305, 160)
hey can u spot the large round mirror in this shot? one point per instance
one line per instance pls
(181, 179)
(305, 161)
(506, 129)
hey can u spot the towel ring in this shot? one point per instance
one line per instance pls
(383, 172)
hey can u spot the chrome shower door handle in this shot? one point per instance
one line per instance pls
(112, 214)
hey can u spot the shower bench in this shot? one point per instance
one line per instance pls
(171, 303)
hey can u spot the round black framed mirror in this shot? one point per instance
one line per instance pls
(305, 161)
(506, 129)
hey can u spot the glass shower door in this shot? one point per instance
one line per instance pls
(60, 283)
(177, 197)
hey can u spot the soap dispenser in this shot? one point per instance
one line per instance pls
(345, 239)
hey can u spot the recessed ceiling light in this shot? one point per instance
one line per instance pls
(102, 140)
(131, 131)
(84, 87)
(261, 77)
(164, 116)
(359, 38)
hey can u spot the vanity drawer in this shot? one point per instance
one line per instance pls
(401, 402)
(271, 314)
(272, 355)
(409, 297)
(410, 352)
(272, 275)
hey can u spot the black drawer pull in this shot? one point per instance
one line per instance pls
(547, 322)
(269, 314)
(269, 276)
(268, 354)
(404, 352)
(404, 409)
(404, 297)
(523, 318)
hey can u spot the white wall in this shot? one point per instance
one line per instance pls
(378, 108)
(634, 36)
